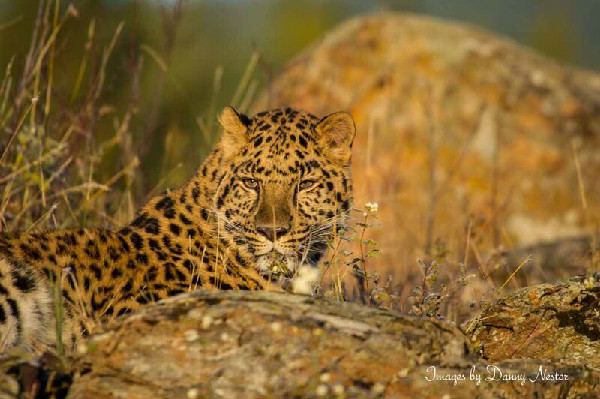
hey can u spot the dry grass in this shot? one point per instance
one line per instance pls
(52, 152)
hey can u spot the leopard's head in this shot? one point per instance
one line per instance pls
(287, 186)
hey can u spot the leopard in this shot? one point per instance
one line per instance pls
(264, 203)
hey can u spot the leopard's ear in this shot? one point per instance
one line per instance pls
(335, 134)
(235, 128)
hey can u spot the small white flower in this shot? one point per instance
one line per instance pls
(306, 278)
(371, 207)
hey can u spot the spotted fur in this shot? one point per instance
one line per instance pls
(266, 201)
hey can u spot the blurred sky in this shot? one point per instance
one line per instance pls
(566, 29)
(214, 34)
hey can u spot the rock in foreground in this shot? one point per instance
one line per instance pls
(546, 321)
(256, 345)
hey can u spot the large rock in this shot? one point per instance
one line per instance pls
(274, 345)
(227, 344)
(458, 130)
(257, 345)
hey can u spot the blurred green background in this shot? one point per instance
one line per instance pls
(176, 63)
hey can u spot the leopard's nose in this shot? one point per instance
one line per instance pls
(272, 233)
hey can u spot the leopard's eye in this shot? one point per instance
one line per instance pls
(306, 184)
(249, 183)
